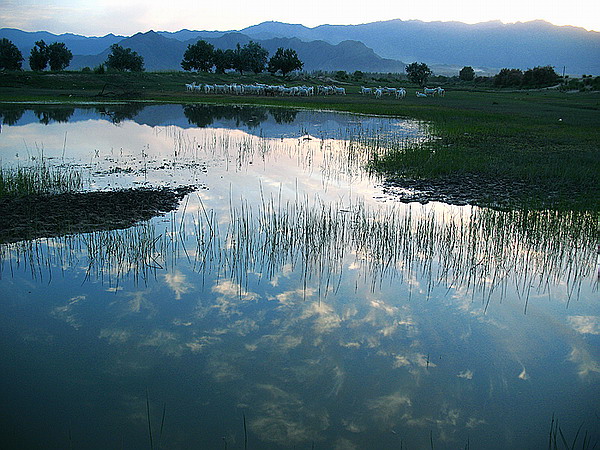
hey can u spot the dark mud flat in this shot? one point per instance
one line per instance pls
(39, 216)
(479, 191)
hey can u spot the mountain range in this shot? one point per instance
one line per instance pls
(488, 44)
(373, 47)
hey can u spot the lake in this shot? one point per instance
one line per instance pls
(289, 302)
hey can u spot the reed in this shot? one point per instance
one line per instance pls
(40, 178)
(557, 439)
(111, 256)
(483, 251)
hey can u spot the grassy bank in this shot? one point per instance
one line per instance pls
(38, 179)
(546, 140)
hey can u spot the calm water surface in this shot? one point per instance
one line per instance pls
(288, 303)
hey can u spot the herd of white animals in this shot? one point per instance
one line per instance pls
(304, 91)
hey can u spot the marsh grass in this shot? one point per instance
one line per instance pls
(40, 178)
(557, 439)
(479, 251)
(136, 253)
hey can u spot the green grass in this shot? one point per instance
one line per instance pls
(38, 179)
(546, 139)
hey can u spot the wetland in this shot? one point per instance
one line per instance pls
(226, 276)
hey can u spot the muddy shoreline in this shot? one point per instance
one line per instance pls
(41, 216)
(476, 190)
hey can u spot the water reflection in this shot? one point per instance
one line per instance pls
(201, 115)
(290, 303)
(11, 116)
(250, 116)
(320, 342)
(254, 119)
(119, 113)
(59, 115)
(482, 253)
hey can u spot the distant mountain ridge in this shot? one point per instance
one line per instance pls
(490, 44)
(163, 53)
(371, 47)
(79, 45)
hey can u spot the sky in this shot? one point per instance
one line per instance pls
(127, 17)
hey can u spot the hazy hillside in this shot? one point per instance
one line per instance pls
(491, 44)
(319, 55)
(186, 35)
(161, 53)
(377, 46)
(79, 45)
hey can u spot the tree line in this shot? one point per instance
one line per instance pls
(251, 57)
(201, 56)
(57, 57)
(537, 77)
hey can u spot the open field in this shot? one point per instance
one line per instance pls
(544, 144)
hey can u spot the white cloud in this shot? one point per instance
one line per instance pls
(282, 417)
(166, 341)
(115, 335)
(586, 365)
(200, 343)
(177, 282)
(523, 375)
(231, 297)
(289, 298)
(66, 312)
(230, 289)
(388, 408)
(325, 319)
(473, 422)
(466, 374)
(585, 324)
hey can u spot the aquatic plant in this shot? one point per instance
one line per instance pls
(476, 250)
(480, 250)
(40, 178)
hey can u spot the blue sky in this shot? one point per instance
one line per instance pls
(97, 18)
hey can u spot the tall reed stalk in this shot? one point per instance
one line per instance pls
(40, 178)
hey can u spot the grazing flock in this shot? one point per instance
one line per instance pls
(265, 89)
(303, 91)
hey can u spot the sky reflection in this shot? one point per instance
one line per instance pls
(401, 325)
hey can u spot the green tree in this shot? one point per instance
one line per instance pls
(39, 56)
(223, 60)
(508, 77)
(10, 55)
(199, 56)
(124, 59)
(466, 74)
(540, 76)
(284, 60)
(239, 62)
(254, 57)
(418, 73)
(59, 56)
